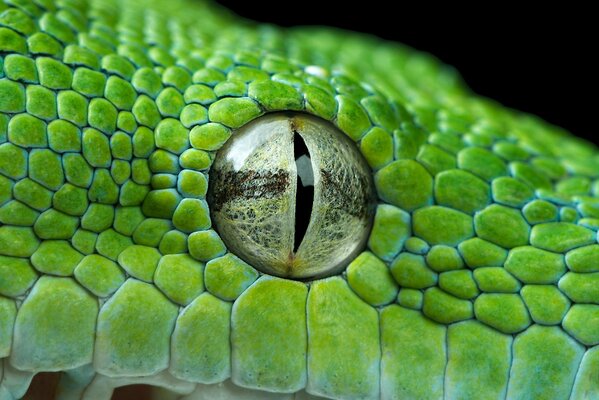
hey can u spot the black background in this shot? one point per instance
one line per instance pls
(534, 60)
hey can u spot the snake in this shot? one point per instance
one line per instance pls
(218, 208)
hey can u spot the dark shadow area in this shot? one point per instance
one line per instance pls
(534, 59)
(132, 392)
(43, 386)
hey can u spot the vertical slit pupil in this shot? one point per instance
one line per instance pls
(305, 189)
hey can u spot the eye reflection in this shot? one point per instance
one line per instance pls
(291, 195)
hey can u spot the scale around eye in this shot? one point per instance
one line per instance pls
(292, 195)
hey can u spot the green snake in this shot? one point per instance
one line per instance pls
(222, 209)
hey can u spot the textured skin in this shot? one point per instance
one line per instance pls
(480, 278)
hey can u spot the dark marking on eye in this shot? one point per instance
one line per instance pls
(246, 185)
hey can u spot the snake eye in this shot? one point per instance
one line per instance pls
(292, 196)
